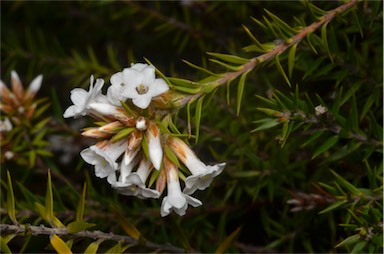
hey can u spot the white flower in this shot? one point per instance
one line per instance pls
(5, 125)
(154, 145)
(320, 110)
(82, 99)
(134, 183)
(138, 83)
(104, 158)
(175, 199)
(202, 175)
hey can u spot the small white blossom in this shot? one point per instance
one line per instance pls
(5, 125)
(82, 99)
(9, 155)
(141, 124)
(320, 110)
(104, 159)
(175, 199)
(202, 175)
(138, 83)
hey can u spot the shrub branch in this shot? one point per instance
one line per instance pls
(99, 235)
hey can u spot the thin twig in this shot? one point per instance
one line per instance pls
(43, 230)
(249, 66)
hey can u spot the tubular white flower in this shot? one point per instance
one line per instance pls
(104, 159)
(154, 145)
(134, 183)
(202, 175)
(138, 83)
(82, 99)
(175, 199)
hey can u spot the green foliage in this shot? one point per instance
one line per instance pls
(299, 125)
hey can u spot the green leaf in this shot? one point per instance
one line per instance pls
(227, 241)
(229, 58)
(325, 146)
(81, 204)
(59, 245)
(144, 146)
(171, 155)
(49, 200)
(347, 185)
(291, 59)
(118, 248)
(77, 226)
(266, 123)
(270, 112)
(284, 26)
(287, 129)
(50, 217)
(4, 245)
(122, 134)
(257, 46)
(11, 200)
(333, 206)
(367, 106)
(325, 40)
(93, 247)
(240, 91)
(227, 66)
(199, 105)
(128, 227)
(281, 70)
(359, 247)
(189, 118)
(310, 44)
(183, 82)
(188, 90)
(313, 137)
(200, 68)
(349, 240)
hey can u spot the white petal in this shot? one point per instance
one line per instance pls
(116, 79)
(193, 201)
(35, 85)
(142, 101)
(78, 96)
(158, 87)
(148, 75)
(139, 66)
(70, 111)
(89, 156)
(165, 207)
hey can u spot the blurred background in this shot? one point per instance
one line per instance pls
(272, 192)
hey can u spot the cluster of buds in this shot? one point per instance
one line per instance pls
(136, 152)
(18, 108)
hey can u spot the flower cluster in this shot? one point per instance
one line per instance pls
(136, 152)
(19, 113)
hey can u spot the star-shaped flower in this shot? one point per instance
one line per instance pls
(82, 99)
(138, 83)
